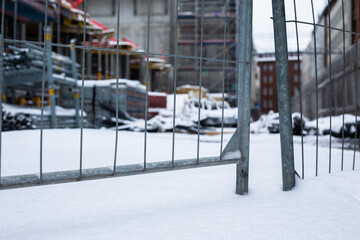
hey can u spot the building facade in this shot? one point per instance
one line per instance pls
(337, 88)
(268, 87)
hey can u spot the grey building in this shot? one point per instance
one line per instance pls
(330, 86)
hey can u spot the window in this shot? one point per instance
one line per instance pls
(296, 78)
(270, 103)
(270, 79)
(271, 92)
(265, 79)
(271, 67)
(265, 91)
(265, 67)
(157, 7)
(265, 104)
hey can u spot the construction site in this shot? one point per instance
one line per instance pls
(58, 75)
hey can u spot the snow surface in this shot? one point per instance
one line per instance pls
(186, 204)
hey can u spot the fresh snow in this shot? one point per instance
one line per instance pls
(186, 204)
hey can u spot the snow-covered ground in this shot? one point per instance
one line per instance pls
(186, 204)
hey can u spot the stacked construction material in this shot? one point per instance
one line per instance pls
(18, 117)
(157, 102)
(33, 56)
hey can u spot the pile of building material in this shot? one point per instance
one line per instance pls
(19, 117)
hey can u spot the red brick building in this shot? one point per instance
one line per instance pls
(268, 88)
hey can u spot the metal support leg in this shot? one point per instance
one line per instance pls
(244, 94)
(49, 74)
(40, 33)
(99, 70)
(106, 59)
(23, 31)
(89, 60)
(76, 89)
(15, 18)
(127, 70)
(112, 66)
(141, 69)
(284, 100)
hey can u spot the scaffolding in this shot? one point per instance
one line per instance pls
(209, 28)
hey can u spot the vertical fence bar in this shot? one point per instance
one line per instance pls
(175, 81)
(82, 92)
(117, 85)
(43, 93)
(300, 93)
(316, 91)
(357, 80)
(147, 82)
(50, 79)
(15, 18)
(343, 92)
(58, 24)
(200, 80)
(223, 79)
(1, 76)
(283, 86)
(244, 94)
(331, 94)
(75, 76)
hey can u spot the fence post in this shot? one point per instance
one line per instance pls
(244, 94)
(50, 77)
(284, 101)
(75, 76)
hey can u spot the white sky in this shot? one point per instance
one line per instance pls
(263, 26)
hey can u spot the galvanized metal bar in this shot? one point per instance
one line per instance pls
(58, 24)
(324, 26)
(147, 82)
(105, 172)
(82, 93)
(331, 94)
(127, 63)
(343, 92)
(176, 60)
(1, 78)
(106, 59)
(75, 76)
(316, 92)
(15, 18)
(89, 60)
(357, 80)
(220, 60)
(300, 93)
(117, 85)
(244, 95)
(43, 93)
(49, 73)
(99, 67)
(200, 78)
(283, 86)
(223, 80)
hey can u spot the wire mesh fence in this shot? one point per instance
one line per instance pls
(61, 56)
(85, 50)
(328, 83)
